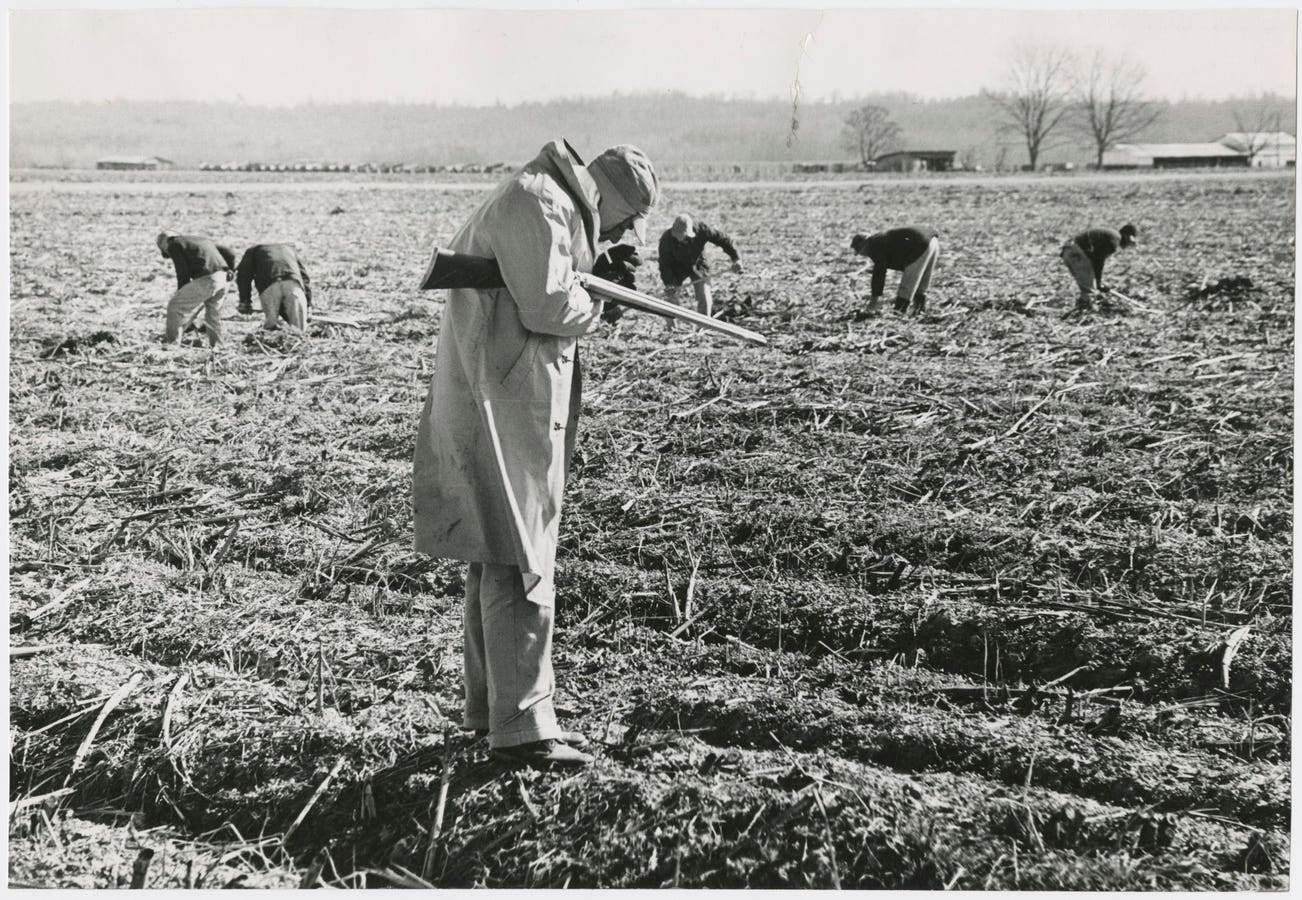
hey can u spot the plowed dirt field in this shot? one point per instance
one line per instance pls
(994, 597)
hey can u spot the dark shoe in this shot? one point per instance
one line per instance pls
(573, 738)
(919, 304)
(543, 754)
(901, 304)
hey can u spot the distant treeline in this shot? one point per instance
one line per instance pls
(674, 129)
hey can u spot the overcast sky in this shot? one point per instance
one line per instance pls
(276, 56)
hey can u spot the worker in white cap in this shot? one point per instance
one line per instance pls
(497, 433)
(682, 258)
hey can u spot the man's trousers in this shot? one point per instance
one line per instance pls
(206, 292)
(508, 659)
(704, 296)
(1080, 267)
(916, 277)
(284, 298)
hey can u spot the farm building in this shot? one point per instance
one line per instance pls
(1274, 149)
(916, 161)
(1172, 156)
(133, 162)
(808, 168)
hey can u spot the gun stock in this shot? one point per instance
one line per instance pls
(449, 270)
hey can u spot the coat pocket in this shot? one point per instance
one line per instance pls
(524, 365)
(543, 366)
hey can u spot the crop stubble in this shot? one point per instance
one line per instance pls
(955, 601)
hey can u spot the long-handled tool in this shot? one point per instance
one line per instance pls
(1128, 300)
(448, 270)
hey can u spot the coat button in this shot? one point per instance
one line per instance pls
(558, 426)
(564, 358)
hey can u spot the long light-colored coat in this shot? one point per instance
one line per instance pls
(497, 432)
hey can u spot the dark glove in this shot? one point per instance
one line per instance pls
(612, 312)
(618, 264)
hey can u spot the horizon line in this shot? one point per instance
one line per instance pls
(581, 98)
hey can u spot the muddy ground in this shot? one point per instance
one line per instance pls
(994, 597)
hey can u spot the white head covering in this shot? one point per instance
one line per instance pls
(633, 183)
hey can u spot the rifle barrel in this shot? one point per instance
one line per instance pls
(448, 270)
(647, 303)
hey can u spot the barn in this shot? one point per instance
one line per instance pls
(1274, 149)
(916, 161)
(811, 168)
(133, 162)
(1173, 156)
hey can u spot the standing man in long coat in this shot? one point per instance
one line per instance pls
(498, 428)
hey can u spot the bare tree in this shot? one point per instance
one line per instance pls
(1254, 130)
(1033, 99)
(869, 130)
(1108, 95)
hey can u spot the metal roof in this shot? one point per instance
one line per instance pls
(1261, 138)
(1172, 151)
(918, 153)
(131, 159)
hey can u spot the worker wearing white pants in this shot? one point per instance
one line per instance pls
(912, 251)
(1081, 269)
(207, 293)
(508, 659)
(284, 298)
(1085, 254)
(203, 270)
(682, 258)
(284, 287)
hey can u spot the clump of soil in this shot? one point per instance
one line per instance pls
(1223, 292)
(77, 343)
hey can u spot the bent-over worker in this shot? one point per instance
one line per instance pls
(913, 252)
(682, 258)
(282, 282)
(203, 272)
(497, 432)
(1085, 254)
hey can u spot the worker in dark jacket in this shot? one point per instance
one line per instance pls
(912, 251)
(282, 282)
(682, 258)
(203, 273)
(1085, 254)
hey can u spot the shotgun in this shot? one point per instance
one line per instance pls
(449, 270)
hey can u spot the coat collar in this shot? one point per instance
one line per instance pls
(569, 168)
